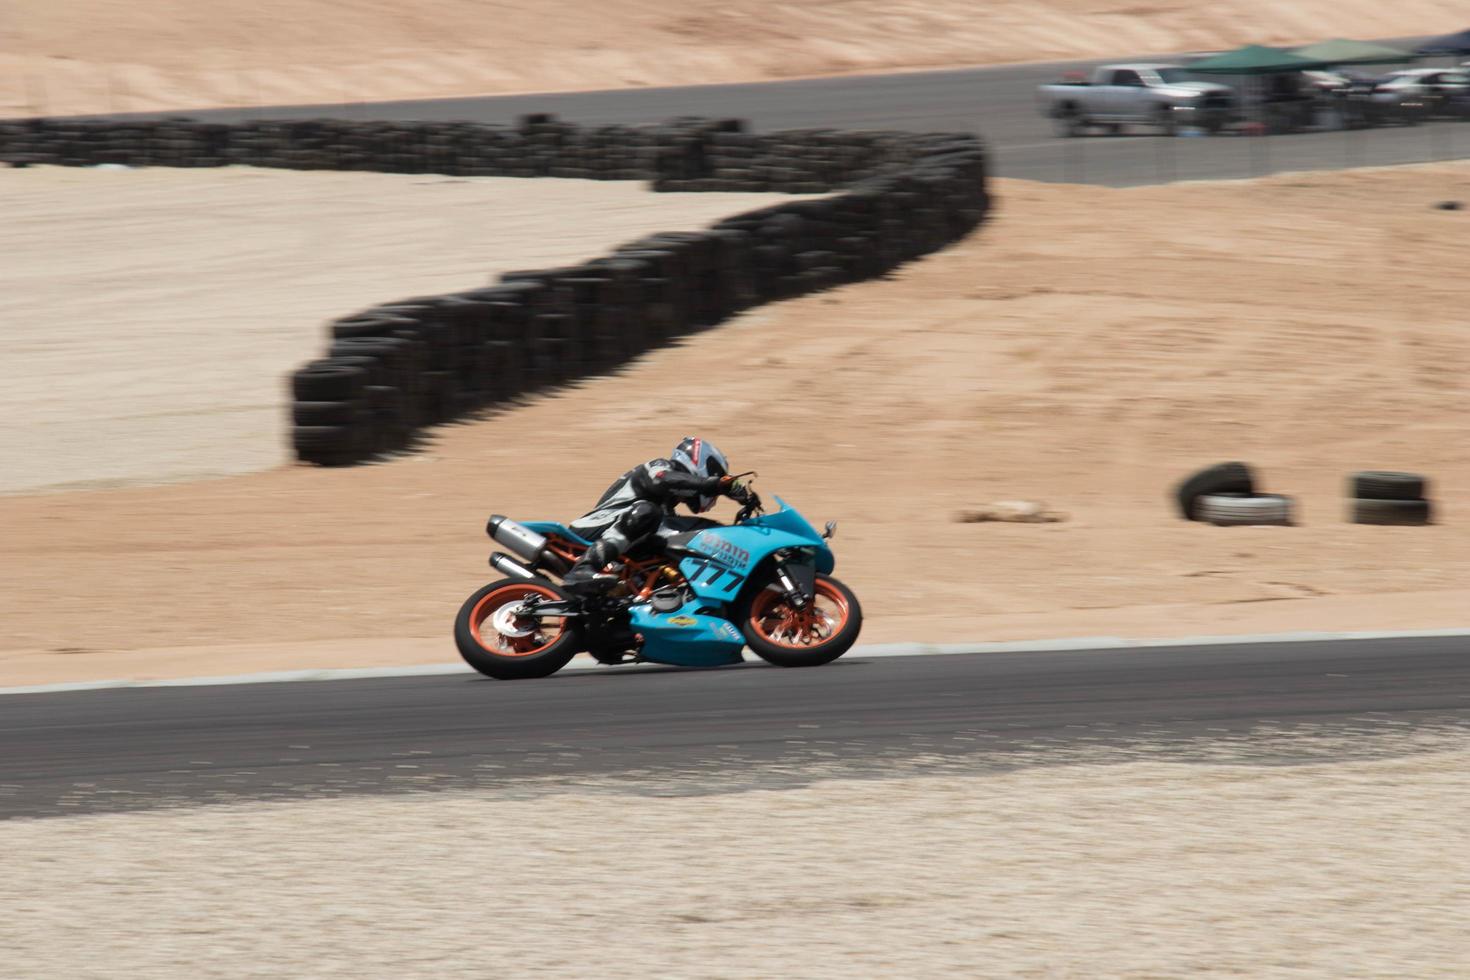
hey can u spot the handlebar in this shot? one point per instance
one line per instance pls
(749, 510)
(751, 507)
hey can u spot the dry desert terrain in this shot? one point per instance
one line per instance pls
(74, 56)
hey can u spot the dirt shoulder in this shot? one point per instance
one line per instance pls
(75, 56)
(1087, 347)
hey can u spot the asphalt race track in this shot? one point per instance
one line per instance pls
(661, 730)
(998, 103)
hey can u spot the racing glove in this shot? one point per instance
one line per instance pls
(736, 490)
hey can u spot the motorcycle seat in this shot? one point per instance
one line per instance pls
(557, 528)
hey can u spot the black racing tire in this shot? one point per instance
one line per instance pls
(374, 368)
(327, 438)
(379, 327)
(499, 662)
(750, 619)
(1069, 122)
(314, 414)
(323, 381)
(1234, 477)
(1385, 485)
(1394, 512)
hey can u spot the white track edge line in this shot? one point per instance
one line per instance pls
(1074, 644)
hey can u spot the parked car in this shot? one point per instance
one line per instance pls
(1440, 91)
(1359, 102)
(1157, 95)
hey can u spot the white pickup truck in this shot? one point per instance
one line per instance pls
(1144, 94)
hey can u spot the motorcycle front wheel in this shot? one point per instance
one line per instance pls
(783, 635)
(498, 644)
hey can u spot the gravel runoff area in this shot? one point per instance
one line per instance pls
(152, 316)
(1142, 867)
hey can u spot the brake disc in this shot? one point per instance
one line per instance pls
(507, 623)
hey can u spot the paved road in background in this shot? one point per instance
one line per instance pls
(998, 103)
(123, 749)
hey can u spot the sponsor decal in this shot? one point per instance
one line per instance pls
(682, 620)
(721, 550)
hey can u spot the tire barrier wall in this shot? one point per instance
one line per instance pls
(396, 367)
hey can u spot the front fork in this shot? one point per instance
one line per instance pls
(798, 581)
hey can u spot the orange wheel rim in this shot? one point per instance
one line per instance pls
(538, 635)
(777, 621)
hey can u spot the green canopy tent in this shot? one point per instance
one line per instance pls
(1343, 52)
(1256, 59)
(1261, 63)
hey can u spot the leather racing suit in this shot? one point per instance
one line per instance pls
(639, 504)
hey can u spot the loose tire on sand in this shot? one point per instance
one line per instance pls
(1242, 510)
(1234, 477)
(1384, 485)
(1396, 512)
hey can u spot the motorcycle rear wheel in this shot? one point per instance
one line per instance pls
(523, 648)
(785, 636)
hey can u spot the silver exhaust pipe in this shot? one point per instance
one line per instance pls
(528, 544)
(517, 537)
(509, 567)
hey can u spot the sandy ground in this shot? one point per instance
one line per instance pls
(1088, 347)
(152, 316)
(1142, 868)
(69, 56)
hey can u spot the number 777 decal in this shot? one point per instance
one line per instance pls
(709, 574)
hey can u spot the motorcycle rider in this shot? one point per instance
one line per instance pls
(641, 502)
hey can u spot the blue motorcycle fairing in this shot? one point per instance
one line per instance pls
(687, 637)
(718, 560)
(787, 519)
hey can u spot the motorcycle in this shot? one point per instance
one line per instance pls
(693, 596)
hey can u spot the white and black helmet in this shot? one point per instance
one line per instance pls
(702, 458)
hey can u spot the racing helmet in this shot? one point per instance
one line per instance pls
(701, 458)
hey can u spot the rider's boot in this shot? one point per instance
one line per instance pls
(586, 577)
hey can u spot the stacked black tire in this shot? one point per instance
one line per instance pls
(1382, 497)
(538, 146)
(685, 154)
(396, 367)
